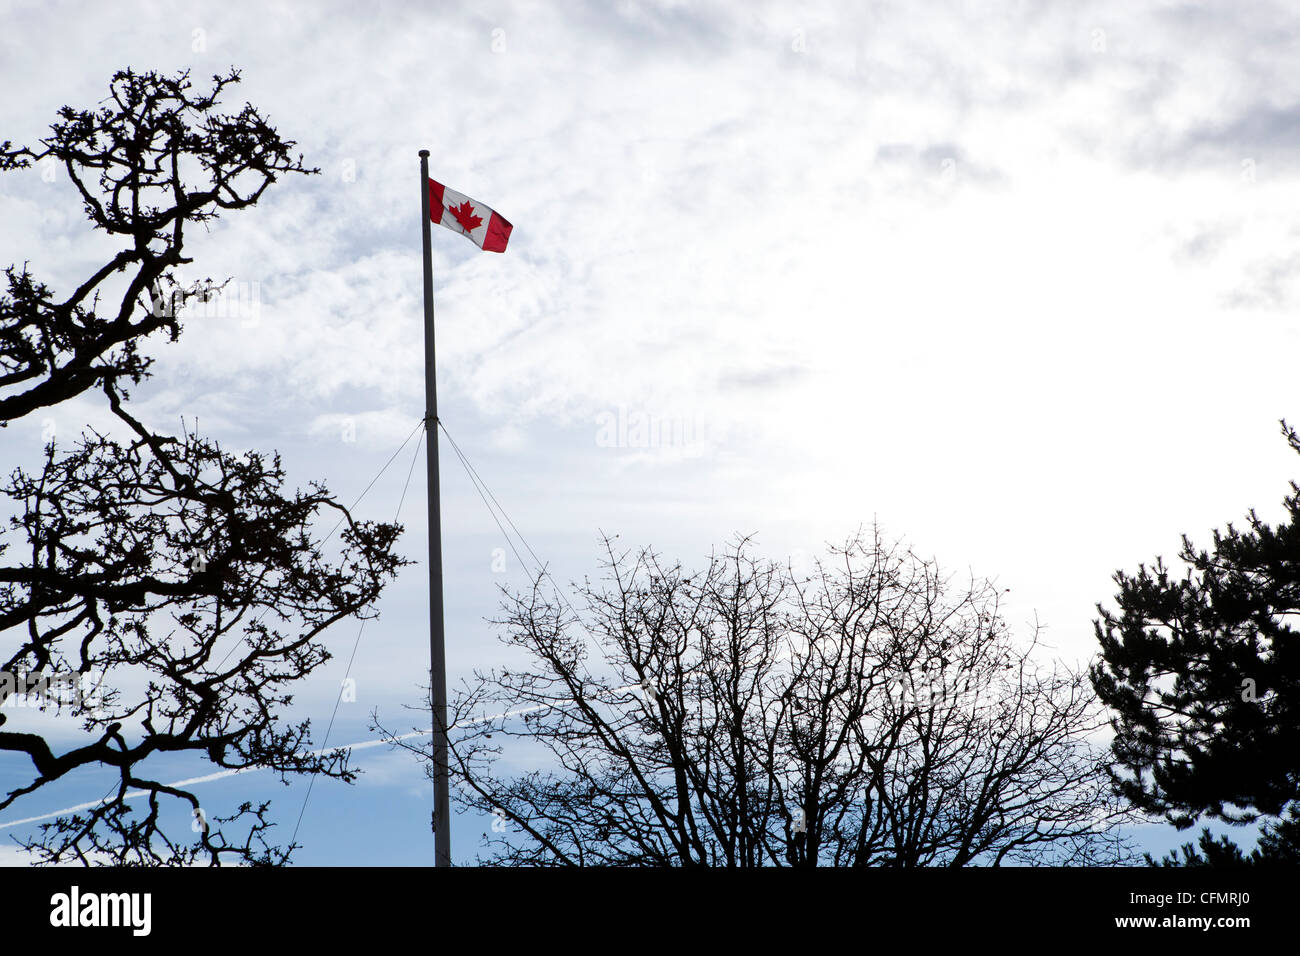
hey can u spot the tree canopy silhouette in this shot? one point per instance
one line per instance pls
(1202, 672)
(185, 582)
(870, 713)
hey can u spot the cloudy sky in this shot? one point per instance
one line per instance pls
(1014, 279)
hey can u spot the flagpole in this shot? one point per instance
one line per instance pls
(437, 647)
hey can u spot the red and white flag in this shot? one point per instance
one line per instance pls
(488, 230)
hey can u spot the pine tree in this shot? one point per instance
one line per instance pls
(1202, 672)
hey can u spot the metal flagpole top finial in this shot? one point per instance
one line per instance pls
(424, 152)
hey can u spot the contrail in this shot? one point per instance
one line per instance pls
(362, 745)
(207, 778)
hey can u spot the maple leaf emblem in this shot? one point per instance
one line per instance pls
(464, 214)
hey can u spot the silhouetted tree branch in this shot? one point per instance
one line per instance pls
(155, 157)
(867, 715)
(1202, 672)
(186, 580)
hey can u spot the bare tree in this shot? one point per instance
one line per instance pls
(183, 581)
(867, 714)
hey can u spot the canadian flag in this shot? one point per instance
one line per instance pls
(488, 230)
